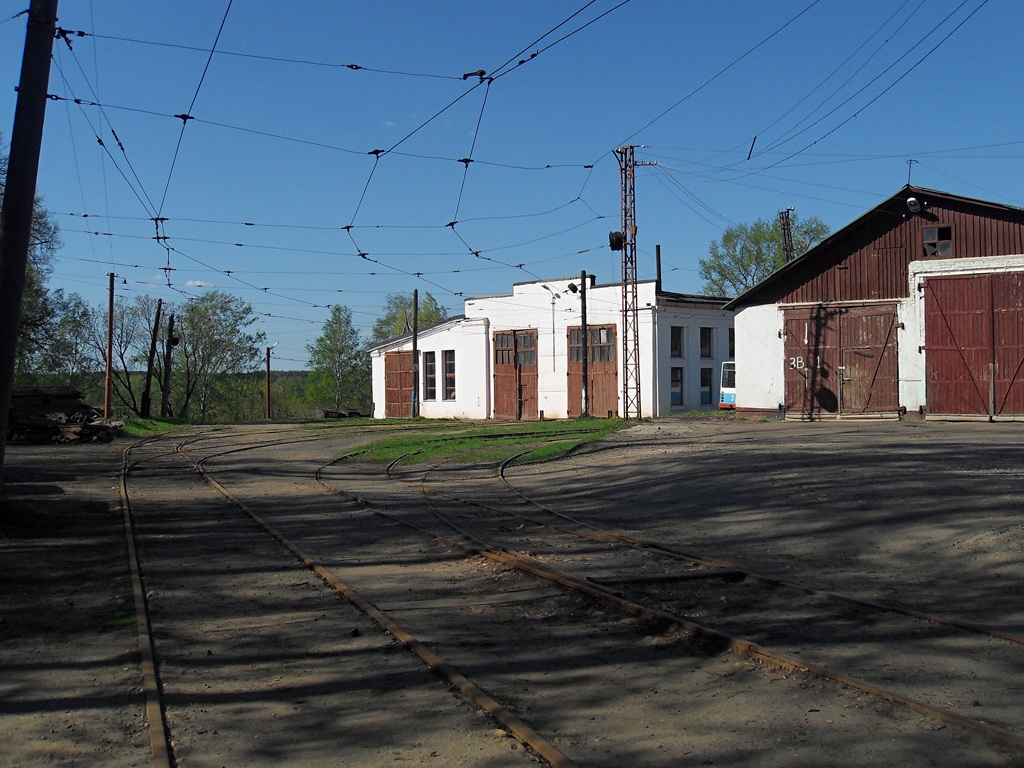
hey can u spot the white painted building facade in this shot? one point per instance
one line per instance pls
(513, 355)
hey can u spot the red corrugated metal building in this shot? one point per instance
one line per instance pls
(914, 306)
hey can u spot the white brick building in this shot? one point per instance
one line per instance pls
(519, 355)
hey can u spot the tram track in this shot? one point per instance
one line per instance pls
(607, 590)
(636, 590)
(161, 736)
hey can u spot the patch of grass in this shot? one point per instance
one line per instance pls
(121, 621)
(475, 443)
(136, 427)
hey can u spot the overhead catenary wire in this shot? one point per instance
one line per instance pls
(776, 142)
(186, 116)
(425, 265)
(718, 74)
(885, 90)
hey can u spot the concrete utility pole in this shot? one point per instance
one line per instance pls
(20, 193)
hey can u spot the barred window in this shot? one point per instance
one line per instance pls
(519, 347)
(503, 349)
(602, 344)
(526, 349)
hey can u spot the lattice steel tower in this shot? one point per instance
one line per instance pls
(630, 322)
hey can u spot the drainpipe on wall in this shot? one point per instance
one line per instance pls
(488, 376)
(656, 378)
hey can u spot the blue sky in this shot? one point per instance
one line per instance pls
(272, 192)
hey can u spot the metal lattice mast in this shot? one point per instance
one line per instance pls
(630, 320)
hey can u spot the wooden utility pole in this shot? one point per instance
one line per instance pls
(107, 410)
(20, 192)
(415, 353)
(786, 227)
(145, 407)
(165, 387)
(586, 342)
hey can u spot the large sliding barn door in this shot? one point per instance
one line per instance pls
(974, 344)
(811, 346)
(841, 360)
(398, 385)
(869, 381)
(602, 372)
(515, 375)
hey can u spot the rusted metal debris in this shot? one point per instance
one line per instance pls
(56, 415)
(342, 413)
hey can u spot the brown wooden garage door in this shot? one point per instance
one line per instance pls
(841, 360)
(515, 374)
(398, 385)
(974, 344)
(602, 372)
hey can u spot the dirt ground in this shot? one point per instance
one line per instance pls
(267, 666)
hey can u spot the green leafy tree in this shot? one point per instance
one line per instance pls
(39, 326)
(216, 341)
(748, 253)
(288, 395)
(69, 358)
(340, 375)
(396, 316)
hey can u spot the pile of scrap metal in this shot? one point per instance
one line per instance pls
(56, 415)
(343, 413)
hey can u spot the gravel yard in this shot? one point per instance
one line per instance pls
(262, 664)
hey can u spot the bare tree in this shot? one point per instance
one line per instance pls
(215, 343)
(133, 323)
